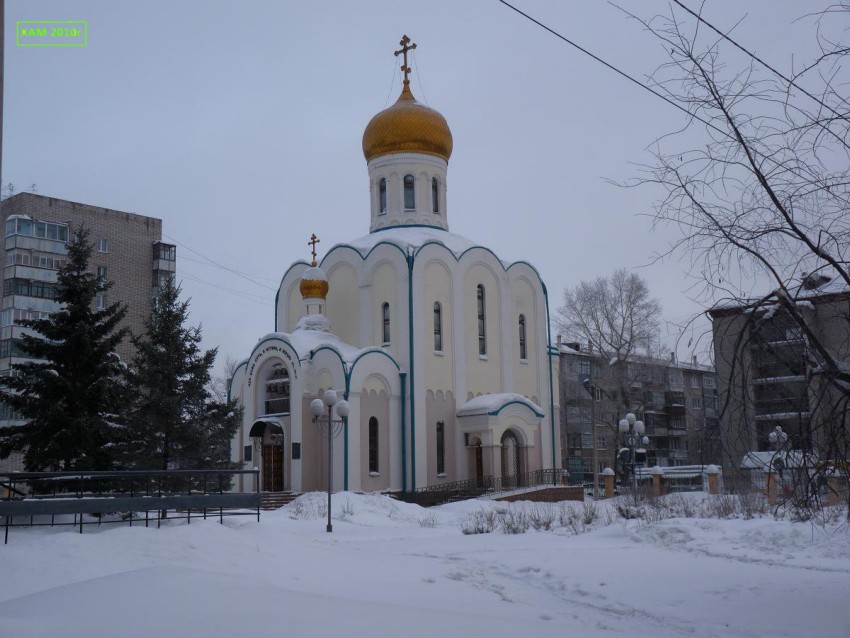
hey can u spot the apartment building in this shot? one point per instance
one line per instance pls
(677, 401)
(128, 251)
(769, 374)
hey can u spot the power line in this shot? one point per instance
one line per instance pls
(758, 59)
(206, 263)
(218, 265)
(245, 295)
(616, 70)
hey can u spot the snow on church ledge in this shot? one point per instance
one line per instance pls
(492, 404)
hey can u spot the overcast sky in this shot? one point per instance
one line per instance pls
(240, 125)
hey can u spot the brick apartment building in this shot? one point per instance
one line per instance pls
(677, 402)
(128, 251)
(767, 371)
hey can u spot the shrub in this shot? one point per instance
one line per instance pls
(429, 520)
(480, 522)
(542, 517)
(590, 512)
(513, 520)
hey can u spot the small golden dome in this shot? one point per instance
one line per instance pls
(407, 127)
(314, 283)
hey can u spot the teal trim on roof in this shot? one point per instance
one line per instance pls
(230, 382)
(536, 413)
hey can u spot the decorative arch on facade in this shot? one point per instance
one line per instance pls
(513, 460)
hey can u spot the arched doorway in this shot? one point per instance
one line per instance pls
(269, 435)
(511, 460)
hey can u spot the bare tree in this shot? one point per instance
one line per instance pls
(220, 384)
(616, 321)
(758, 182)
(615, 316)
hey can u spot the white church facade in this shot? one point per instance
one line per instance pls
(442, 351)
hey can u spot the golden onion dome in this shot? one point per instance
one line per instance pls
(314, 283)
(407, 127)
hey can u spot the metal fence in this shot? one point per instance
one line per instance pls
(38, 498)
(485, 486)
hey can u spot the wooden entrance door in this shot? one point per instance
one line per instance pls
(272, 468)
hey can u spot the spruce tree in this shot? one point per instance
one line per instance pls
(175, 421)
(72, 397)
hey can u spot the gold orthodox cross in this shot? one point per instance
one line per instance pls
(313, 241)
(404, 49)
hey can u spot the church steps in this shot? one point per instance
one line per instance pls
(276, 500)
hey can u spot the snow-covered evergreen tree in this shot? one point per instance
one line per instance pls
(73, 397)
(175, 422)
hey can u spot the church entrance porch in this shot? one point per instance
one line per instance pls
(269, 438)
(512, 460)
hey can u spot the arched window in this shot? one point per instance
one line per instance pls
(385, 317)
(409, 193)
(522, 349)
(441, 447)
(435, 195)
(277, 391)
(482, 323)
(373, 445)
(382, 196)
(438, 327)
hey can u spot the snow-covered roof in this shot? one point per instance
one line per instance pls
(820, 285)
(413, 237)
(314, 273)
(492, 404)
(309, 336)
(763, 460)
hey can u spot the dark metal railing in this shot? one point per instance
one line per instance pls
(486, 486)
(122, 496)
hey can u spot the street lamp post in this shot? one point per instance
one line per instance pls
(332, 427)
(633, 431)
(778, 438)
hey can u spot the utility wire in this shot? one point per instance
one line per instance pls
(617, 71)
(248, 296)
(759, 60)
(204, 262)
(218, 265)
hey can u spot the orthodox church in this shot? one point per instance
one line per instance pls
(441, 349)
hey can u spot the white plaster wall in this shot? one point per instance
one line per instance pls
(439, 365)
(385, 290)
(526, 374)
(294, 308)
(343, 302)
(484, 372)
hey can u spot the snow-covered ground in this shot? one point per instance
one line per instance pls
(385, 572)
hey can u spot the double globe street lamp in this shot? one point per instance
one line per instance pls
(332, 427)
(634, 432)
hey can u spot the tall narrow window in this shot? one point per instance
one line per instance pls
(385, 317)
(382, 196)
(409, 193)
(523, 353)
(482, 323)
(435, 194)
(373, 445)
(441, 447)
(438, 327)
